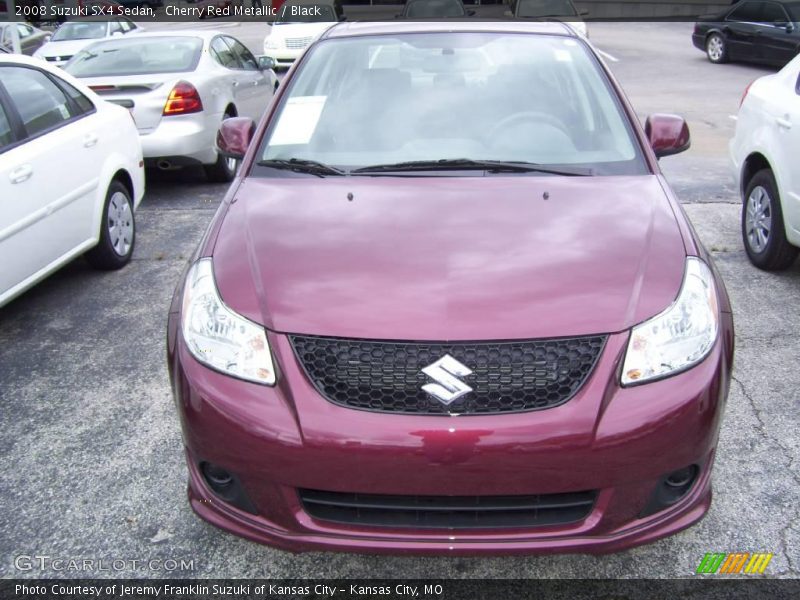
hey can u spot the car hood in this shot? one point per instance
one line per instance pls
(449, 258)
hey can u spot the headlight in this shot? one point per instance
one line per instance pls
(271, 44)
(217, 336)
(679, 337)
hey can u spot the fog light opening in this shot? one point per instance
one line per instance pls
(671, 488)
(217, 477)
(226, 486)
(681, 478)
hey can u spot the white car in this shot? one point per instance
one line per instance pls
(299, 23)
(764, 153)
(179, 86)
(73, 36)
(71, 175)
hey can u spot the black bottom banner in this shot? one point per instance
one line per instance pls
(399, 589)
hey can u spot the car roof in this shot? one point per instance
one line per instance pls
(353, 29)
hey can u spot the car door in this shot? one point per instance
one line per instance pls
(254, 90)
(740, 29)
(48, 173)
(785, 110)
(776, 39)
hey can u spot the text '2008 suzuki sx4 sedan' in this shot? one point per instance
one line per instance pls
(450, 306)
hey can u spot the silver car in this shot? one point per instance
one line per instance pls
(179, 86)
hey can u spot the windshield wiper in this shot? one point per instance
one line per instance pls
(301, 165)
(467, 164)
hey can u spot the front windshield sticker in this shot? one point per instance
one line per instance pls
(298, 121)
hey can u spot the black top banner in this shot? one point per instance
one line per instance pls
(54, 11)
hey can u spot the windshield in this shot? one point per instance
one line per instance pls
(137, 56)
(372, 100)
(77, 30)
(546, 8)
(426, 9)
(306, 13)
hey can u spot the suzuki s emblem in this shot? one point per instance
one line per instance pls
(448, 387)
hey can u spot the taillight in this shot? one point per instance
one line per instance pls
(744, 95)
(183, 99)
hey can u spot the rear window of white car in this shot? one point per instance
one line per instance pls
(137, 56)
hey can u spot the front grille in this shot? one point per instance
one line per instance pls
(297, 43)
(448, 512)
(506, 376)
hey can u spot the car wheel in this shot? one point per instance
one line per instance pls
(224, 169)
(763, 231)
(117, 231)
(716, 48)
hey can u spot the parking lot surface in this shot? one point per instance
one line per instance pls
(93, 464)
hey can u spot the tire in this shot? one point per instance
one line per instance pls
(763, 230)
(717, 48)
(224, 170)
(117, 231)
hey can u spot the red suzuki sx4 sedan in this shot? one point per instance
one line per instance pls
(450, 305)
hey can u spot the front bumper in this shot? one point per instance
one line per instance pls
(617, 441)
(284, 57)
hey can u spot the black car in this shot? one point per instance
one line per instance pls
(764, 31)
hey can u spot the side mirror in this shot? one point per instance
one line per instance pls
(789, 27)
(584, 12)
(470, 13)
(234, 136)
(508, 13)
(47, 38)
(265, 63)
(343, 18)
(116, 33)
(668, 134)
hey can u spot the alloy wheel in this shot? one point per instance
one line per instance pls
(758, 219)
(715, 48)
(120, 223)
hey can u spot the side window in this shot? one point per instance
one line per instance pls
(223, 54)
(773, 13)
(83, 104)
(5, 130)
(40, 103)
(749, 12)
(246, 58)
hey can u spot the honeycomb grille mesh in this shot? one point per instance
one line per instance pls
(506, 376)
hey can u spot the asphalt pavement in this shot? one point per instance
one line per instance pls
(92, 455)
